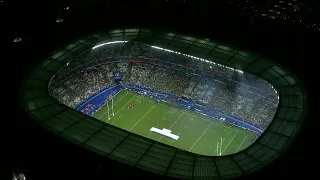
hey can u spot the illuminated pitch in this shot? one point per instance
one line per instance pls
(197, 133)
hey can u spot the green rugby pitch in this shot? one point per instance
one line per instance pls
(197, 133)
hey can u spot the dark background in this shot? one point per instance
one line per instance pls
(42, 155)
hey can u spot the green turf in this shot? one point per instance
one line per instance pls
(197, 133)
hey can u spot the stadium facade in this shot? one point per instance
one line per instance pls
(153, 156)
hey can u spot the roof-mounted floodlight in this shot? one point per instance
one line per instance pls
(59, 20)
(112, 42)
(17, 39)
(193, 57)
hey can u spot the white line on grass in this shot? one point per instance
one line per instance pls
(172, 124)
(216, 123)
(121, 98)
(122, 107)
(114, 120)
(242, 142)
(125, 104)
(176, 120)
(215, 151)
(143, 116)
(113, 105)
(230, 142)
(195, 116)
(200, 136)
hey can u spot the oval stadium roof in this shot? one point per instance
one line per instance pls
(153, 156)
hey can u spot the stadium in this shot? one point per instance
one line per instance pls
(169, 103)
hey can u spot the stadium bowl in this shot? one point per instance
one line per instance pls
(150, 155)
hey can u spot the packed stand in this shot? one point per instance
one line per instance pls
(223, 89)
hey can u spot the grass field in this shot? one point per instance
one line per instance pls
(197, 133)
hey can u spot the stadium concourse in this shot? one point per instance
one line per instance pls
(225, 90)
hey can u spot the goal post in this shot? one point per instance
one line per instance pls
(108, 110)
(220, 145)
(110, 107)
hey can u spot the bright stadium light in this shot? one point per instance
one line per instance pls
(193, 57)
(59, 20)
(112, 42)
(18, 176)
(16, 40)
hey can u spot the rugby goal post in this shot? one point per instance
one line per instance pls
(110, 107)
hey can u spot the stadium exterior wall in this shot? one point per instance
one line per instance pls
(144, 153)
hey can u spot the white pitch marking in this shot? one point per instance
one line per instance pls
(200, 136)
(113, 105)
(242, 142)
(125, 104)
(143, 116)
(230, 142)
(215, 151)
(196, 116)
(172, 125)
(122, 107)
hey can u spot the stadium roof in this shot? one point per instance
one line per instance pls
(156, 157)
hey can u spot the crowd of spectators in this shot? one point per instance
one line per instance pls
(239, 94)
